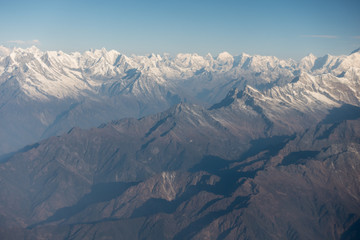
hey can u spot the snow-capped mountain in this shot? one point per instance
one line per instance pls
(257, 158)
(47, 93)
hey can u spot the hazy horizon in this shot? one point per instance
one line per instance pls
(282, 29)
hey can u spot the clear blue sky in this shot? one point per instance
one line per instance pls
(281, 28)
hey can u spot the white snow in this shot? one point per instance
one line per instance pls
(58, 74)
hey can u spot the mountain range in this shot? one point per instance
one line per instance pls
(47, 93)
(190, 147)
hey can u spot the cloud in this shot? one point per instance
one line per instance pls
(320, 36)
(17, 42)
(24, 43)
(356, 37)
(35, 41)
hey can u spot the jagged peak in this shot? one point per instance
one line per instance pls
(311, 55)
(155, 57)
(33, 49)
(245, 55)
(209, 56)
(21, 51)
(308, 61)
(235, 93)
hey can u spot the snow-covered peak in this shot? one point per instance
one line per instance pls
(209, 57)
(346, 63)
(307, 62)
(104, 69)
(258, 63)
(191, 61)
(225, 57)
(34, 50)
(224, 62)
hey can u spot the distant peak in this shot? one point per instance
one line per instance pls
(155, 56)
(33, 49)
(245, 55)
(310, 56)
(224, 56)
(209, 56)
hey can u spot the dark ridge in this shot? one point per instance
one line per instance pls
(320, 62)
(100, 192)
(355, 51)
(343, 113)
(298, 157)
(117, 60)
(208, 204)
(353, 232)
(147, 143)
(327, 132)
(272, 145)
(72, 129)
(132, 73)
(229, 99)
(211, 164)
(166, 132)
(154, 206)
(116, 88)
(103, 125)
(246, 64)
(200, 71)
(296, 79)
(269, 146)
(158, 124)
(61, 116)
(341, 75)
(297, 73)
(4, 158)
(251, 103)
(195, 227)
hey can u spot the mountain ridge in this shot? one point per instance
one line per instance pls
(55, 91)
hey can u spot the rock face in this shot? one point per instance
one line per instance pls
(281, 162)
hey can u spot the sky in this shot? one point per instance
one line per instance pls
(286, 29)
